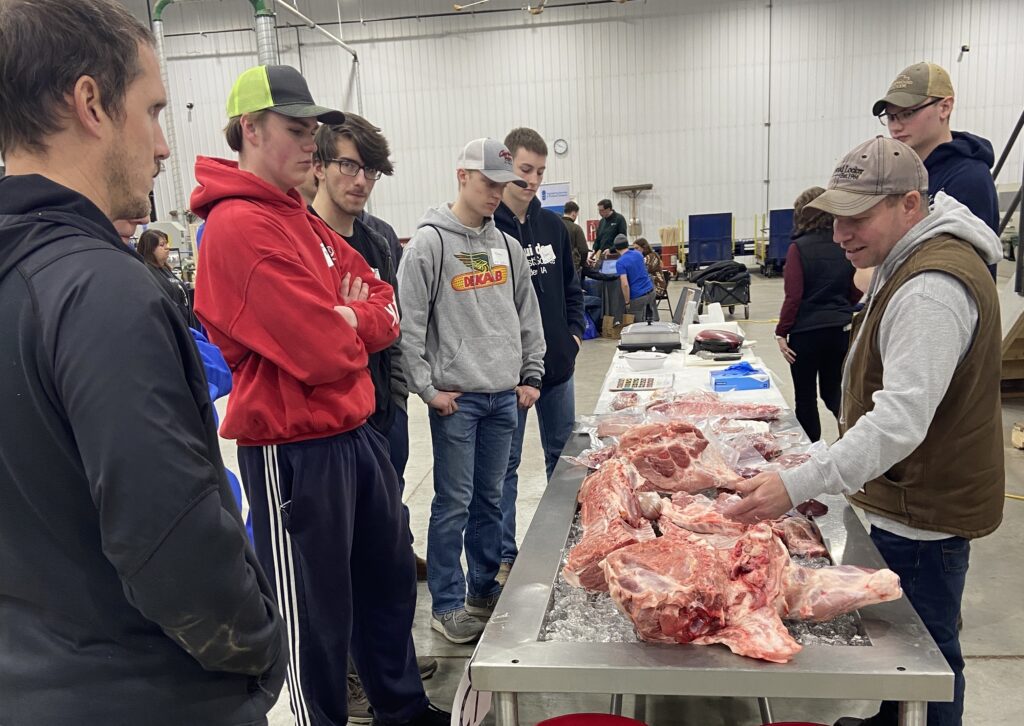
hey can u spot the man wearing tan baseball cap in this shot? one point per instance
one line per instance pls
(921, 380)
(916, 109)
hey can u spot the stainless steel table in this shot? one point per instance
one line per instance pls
(901, 664)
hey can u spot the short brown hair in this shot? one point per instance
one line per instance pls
(369, 142)
(524, 138)
(233, 131)
(45, 47)
(148, 243)
(570, 207)
(807, 219)
(605, 204)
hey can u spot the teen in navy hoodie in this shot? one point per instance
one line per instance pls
(546, 243)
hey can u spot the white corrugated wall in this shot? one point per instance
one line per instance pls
(673, 93)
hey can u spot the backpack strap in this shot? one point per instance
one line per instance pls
(437, 278)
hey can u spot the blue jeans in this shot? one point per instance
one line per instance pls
(932, 575)
(556, 412)
(470, 455)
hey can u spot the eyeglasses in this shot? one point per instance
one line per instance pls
(351, 168)
(903, 116)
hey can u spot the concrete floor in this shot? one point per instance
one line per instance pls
(993, 644)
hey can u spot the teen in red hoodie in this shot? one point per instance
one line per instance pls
(296, 312)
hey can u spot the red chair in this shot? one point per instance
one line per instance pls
(591, 719)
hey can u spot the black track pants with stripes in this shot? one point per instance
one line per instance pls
(331, 533)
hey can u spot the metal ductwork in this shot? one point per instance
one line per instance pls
(266, 34)
(177, 187)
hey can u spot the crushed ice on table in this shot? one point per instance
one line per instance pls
(575, 615)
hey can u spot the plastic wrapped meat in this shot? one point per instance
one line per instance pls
(624, 399)
(705, 405)
(801, 536)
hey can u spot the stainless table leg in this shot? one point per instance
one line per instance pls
(766, 710)
(616, 705)
(914, 713)
(640, 707)
(506, 709)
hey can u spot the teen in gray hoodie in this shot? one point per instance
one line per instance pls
(473, 344)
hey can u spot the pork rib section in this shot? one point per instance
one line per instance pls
(611, 518)
(674, 456)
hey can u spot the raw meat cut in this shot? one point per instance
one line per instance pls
(800, 536)
(705, 405)
(674, 456)
(611, 518)
(685, 590)
(583, 565)
(786, 461)
(624, 399)
(617, 424)
(700, 514)
(822, 594)
(732, 589)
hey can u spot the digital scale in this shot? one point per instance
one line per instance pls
(650, 335)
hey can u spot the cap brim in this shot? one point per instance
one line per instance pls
(503, 177)
(897, 98)
(841, 203)
(302, 110)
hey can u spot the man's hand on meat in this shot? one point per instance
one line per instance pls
(764, 497)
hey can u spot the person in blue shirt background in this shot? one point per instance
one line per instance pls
(637, 288)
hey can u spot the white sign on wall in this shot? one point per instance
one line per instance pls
(553, 196)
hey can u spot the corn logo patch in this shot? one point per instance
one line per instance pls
(482, 274)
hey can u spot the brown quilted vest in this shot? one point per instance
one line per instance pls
(954, 481)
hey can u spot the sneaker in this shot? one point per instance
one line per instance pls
(503, 570)
(430, 716)
(458, 626)
(482, 607)
(427, 666)
(358, 704)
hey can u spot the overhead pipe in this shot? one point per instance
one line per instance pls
(312, 25)
(266, 33)
(177, 187)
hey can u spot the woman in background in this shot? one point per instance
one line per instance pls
(653, 262)
(813, 330)
(154, 248)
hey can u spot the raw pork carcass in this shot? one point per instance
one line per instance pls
(801, 536)
(682, 589)
(674, 456)
(611, 518)
(734, 590)
(705, 405)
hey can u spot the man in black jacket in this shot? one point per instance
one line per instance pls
(612, 224)
(128, 590)
(546, 243)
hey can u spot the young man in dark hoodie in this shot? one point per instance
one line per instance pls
(128, 590)
(297, 313)
(916, 110)
(546, 243)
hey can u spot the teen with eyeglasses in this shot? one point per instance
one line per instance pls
(917, 110)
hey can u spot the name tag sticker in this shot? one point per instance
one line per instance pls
(499, 256)
(547, 254)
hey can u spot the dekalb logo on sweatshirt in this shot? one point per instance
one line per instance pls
(482, 274)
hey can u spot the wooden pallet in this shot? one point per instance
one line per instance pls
(1011, 310)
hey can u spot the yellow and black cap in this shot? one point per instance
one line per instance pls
(281, 89)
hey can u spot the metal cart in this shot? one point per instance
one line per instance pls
(727, 294)
(710, 240)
